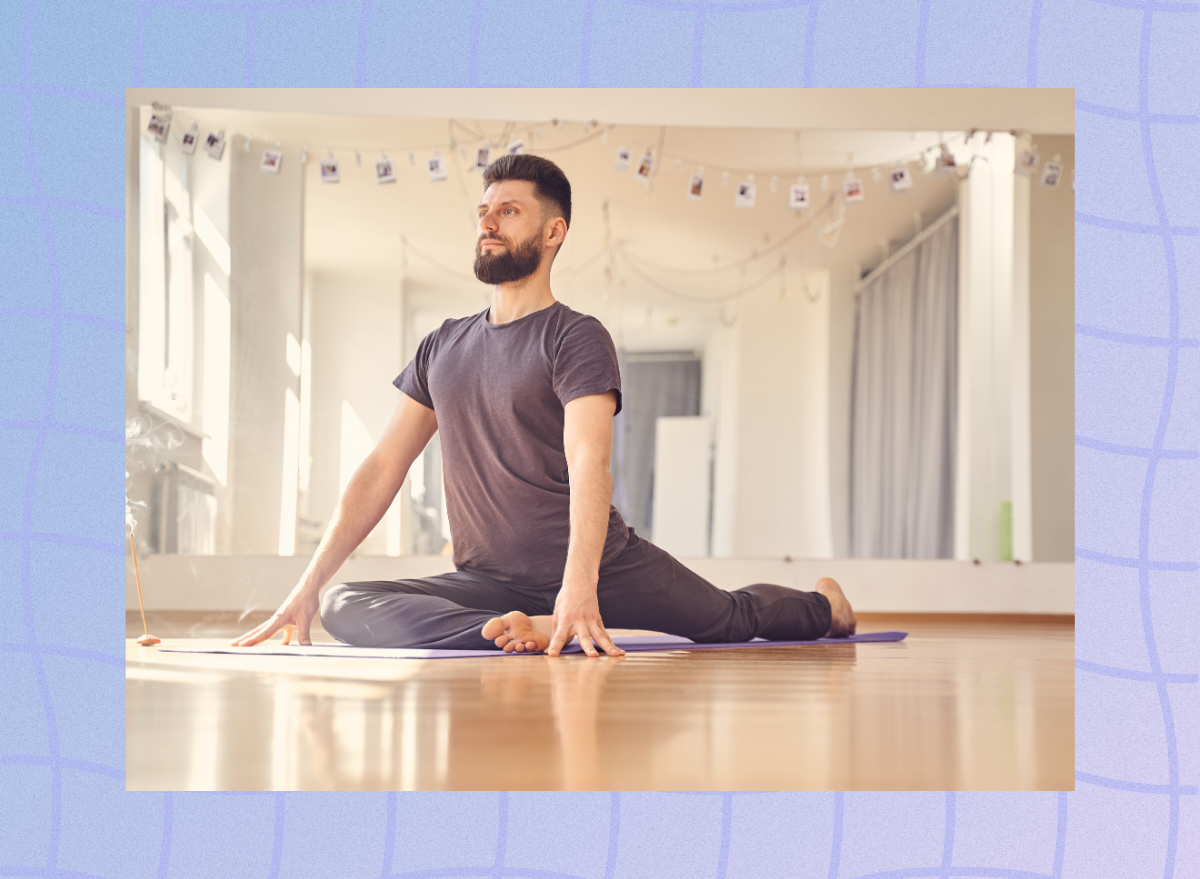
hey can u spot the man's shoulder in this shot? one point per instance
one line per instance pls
(576, 323)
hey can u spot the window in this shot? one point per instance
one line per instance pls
(166, 311)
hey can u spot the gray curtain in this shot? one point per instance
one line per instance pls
(904, 407)
(653, 385)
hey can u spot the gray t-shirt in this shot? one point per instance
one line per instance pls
(499, 393)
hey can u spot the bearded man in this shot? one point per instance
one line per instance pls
(524, 394)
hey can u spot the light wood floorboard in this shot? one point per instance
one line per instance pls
(965, 703)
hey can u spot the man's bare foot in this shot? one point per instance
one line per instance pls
(842, 619)
(516, 632)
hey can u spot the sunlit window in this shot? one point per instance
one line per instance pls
(167, 322)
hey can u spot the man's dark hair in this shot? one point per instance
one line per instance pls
(550, 185)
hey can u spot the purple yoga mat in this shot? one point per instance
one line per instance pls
(630, 643)
(635, 643)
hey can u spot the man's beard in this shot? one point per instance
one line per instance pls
(510, 264)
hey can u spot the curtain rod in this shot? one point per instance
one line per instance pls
(904, 251)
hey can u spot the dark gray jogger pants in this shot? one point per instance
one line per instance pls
(644, 587)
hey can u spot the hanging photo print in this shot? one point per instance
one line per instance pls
(483, 157)
(696, 185)
(901, 179)
(798, 196)
(745, 195)
(385, 171)
(516, 148)
(1052, 172)
(852, 190)
(271, 161)
(214, 144)
(187, 143)
(645, 166)
(329, 170)
(160, 124)
(624, 155)
(1027, 161)
(946, 164)
(437, 168)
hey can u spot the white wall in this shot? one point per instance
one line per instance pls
(949, 109)
(265, 237)
(357, 337)
(782, 501)
(682, 492)
(1052, 358)
(720, 377)
(250, 582)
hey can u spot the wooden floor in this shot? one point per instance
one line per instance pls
(965, 703)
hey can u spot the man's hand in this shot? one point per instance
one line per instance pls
(577, 615)
(294, 617)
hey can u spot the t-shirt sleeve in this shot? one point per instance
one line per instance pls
(586, 362)
(414, 380)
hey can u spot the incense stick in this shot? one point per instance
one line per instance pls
(146, 638)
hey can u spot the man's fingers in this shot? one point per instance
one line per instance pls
(601, 637)
(585, 642)
(557, 642)
(265, 631)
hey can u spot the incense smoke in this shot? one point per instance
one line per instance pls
(146, 447)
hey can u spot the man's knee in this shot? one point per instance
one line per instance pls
(334, 605)
(368, 615)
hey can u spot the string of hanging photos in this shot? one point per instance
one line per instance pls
(477, 150)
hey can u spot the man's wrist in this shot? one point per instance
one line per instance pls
(578, 584)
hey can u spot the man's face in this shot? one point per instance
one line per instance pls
(508, 246)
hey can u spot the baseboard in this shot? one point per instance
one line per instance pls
(247, 583)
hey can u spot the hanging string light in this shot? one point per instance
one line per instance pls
(938, 158)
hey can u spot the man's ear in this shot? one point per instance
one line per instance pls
(550, 230)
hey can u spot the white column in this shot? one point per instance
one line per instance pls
(986, 312)
(1021, 415)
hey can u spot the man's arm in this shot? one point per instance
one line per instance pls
(373, 487)
(587, 441)
(367, 497)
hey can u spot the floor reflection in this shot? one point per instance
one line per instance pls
(989, 707)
